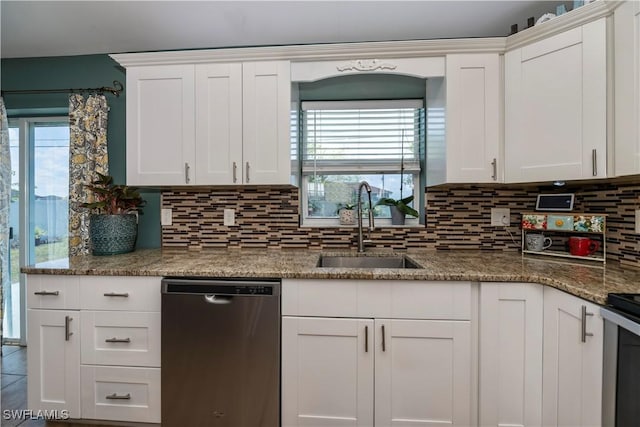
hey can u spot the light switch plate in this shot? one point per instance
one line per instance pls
(229, 217)
(166, 217)
(500, 217)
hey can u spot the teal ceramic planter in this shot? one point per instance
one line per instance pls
(113, 234)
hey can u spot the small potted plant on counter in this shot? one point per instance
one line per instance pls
(399, 209)
(113, 223)
(346, 214)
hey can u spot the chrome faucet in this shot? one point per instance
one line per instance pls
(361, 241)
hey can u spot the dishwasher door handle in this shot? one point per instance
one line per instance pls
(218, 299)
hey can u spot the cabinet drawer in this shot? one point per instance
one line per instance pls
(53, 292)
(116, 338)
(399, 299)
(120, 394)
(120, 293)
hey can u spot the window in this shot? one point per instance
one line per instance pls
(345, 142)
(39, 206)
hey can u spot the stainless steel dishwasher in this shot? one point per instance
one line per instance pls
(220, 352)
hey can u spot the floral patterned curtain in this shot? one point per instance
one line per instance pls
(88, 155)
(5, 201)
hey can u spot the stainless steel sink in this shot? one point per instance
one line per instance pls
(398, 261)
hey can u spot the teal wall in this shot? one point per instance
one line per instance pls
(363, 87)
(80, 72)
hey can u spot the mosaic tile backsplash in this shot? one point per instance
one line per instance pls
(456, 218)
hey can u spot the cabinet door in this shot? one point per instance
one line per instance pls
(160, 125)
(327, 372)
(218, 124)
(473, 118)
(53, 361)
(555, 107)
(627, 88)
(266, 131)
(572, 361)
(423, 373)
(511, 354)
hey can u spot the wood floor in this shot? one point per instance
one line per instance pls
(14, 392)
(14, 386)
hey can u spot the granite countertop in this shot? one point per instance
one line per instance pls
(591, 281)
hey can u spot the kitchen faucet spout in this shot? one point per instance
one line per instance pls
(361, 241)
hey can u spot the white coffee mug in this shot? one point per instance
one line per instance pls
(537, 242)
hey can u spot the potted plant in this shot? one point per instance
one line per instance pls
(113, 223)
(347, 216)
(399, 209)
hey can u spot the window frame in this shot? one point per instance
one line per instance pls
(418, 174)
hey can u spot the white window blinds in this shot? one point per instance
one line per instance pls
(362, 136)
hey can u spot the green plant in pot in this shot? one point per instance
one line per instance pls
(399, 209)
(113, 223)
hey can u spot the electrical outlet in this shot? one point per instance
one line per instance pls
(500, 217)
(637, 221)
(166, 217)
(229, 217)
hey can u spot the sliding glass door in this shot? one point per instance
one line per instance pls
(39, 207)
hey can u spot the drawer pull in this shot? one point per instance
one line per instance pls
(115, 294)
(114, 339)
(116, 396)
(47, 293)
(384, 347)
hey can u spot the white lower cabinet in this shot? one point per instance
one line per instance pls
(53, 361)
(89, 353)
(511, 354)
(423, 372)
(540, 357)
(572, 361)
(327, 371)
(365, 371)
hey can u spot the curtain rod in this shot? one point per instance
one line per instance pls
(116, 90)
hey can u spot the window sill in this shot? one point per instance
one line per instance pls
(379, 223)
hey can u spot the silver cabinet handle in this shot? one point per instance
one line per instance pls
(47, 293)
(594, 161)
(584, 334)
(247, 174)
(186, 173)
(115, 294)
(67, 331)
(366, 339)
(124, 340)
(115, 396)
(384, 347)
(235, 172)
(494, 165)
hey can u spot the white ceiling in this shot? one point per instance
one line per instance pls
(60, 28)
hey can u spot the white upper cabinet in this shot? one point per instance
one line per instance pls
(627, 88)
(473, 137)
(556, 107)
(208, 124)
(219, 123)
(160, 124)
(266, 152)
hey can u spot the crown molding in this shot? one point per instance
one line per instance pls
(575, 18)
(338, 51)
